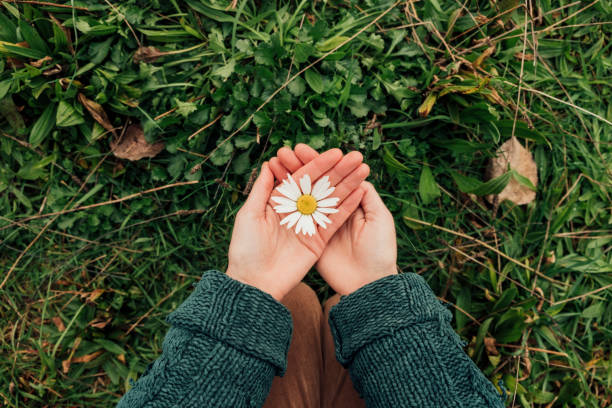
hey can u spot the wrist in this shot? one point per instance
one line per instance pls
(369, 276)
(248, 279)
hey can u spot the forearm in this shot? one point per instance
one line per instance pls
(227, 342)
(395, 337)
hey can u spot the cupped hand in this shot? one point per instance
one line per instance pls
(272, 258)
(364, 248)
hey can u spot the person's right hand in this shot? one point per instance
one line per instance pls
(364, 249)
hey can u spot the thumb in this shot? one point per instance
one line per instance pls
(260, 193)
(372, 204)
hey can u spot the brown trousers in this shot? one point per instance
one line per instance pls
(314, 377)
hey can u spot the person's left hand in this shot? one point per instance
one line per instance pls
(267, 255)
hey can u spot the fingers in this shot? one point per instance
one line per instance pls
(260, 193)
(372, 204)
(305, 153)
(319, 166)
(345, 168)
(289, 159)
(348, 206)
(278, 169)
(351, 182)
(346, 176)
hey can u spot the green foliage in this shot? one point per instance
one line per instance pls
(427, 93)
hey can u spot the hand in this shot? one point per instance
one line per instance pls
(364, 249)
(267, 255)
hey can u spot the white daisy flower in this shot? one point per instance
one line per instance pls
(306, 204)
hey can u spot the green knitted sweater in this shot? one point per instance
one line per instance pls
(228, 340)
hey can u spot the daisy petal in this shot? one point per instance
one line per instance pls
(321, 219)
(305, 184)
(320, 186)
(282, 209)
(286, 190)
(309, 227)
(295, 190)
(299, 224)
(328, 202)
(284, 201)
(291, 219)
(327, 210)
(325, 193)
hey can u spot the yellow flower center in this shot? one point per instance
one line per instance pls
(306, 204)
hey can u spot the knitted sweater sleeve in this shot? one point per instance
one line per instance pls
(225, 344)
(395, 338)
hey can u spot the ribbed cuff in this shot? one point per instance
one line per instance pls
(379, 309)
(239, 315)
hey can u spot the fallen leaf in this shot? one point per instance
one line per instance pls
(53, 71)
(489, 343)
(66, 366)
(66, 362)
(133, 145)
(481, 19)
(147, 54)
(67, 82)
(40, 62)
(527, 57)
(427, 105)
(57, 321)
(485, 54)
(526, 362)
(92, 296)
(97, 112)
(519, 159)
(99, 323)
(87, 357)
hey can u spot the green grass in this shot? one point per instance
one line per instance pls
(418, 91)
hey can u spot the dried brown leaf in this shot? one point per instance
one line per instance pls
(481, 19)
(489, 343)
(520, 159)
(66, 366)
(66, 362)
(57, 69)
(92, 296)
(527, 56)
(87, 357)
(133, 145)
(97, 112)
(485, 54)
(40, 62)
(427, 105)
(147, 54)
(57, 321)
(526, 362)
(99, 323)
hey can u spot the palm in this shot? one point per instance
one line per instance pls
(267, 255)
(302, 250)
(364, 248)
(343, 253)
